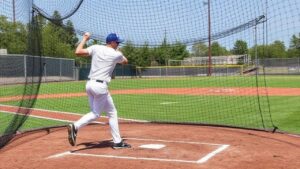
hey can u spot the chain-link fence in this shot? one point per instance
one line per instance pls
(15, 68)
(272, 66)
(281, 66)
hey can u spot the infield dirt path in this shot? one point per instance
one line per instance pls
(184, 147)
(241, 91)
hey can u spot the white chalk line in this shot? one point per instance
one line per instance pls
(172, 141)
(221, 147)
(117, 157)
(69, 113)
(60, 155)
(41, 117)
(166, 103)
(211, 154)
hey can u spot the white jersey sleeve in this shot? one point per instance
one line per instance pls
(91, 50)
(121, 57)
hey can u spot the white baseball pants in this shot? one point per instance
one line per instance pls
(100, 101)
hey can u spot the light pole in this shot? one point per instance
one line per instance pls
(14, 11)
(209, 38)
(255, 42)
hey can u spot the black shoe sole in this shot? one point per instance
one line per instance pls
(120, 147)
(71, 141)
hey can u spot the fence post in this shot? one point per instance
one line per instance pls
(159, 71)
(60, 64)
(25, 67)
(45, 71)
(299, 65)
(74, 71)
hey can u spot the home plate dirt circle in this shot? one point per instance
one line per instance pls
(154, 146)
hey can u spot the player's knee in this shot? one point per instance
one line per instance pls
(112, 114)
(96, 115)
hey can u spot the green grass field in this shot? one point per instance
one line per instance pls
(31, 122)
(229, 110)
(230, 81)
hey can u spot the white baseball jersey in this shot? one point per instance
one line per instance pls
(104, 60)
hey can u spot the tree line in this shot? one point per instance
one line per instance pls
(59, 40)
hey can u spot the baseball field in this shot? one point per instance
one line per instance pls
(222, 100)
(230, 101)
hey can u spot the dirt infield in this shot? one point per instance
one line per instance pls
(154, 146)
(211, 91)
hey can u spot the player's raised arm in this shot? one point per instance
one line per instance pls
(80, 51)
(125, 61)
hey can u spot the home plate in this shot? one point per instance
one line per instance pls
(152, 146)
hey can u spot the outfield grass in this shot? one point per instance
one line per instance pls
(230, 81)
(286, 112)
(30, 123)
(229, 110)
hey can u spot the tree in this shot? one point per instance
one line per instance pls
(295, 42)
(218, 50)
(178, 51)
(276, 50)
(57, 21)
(52, 44)
(70, 36)
(240, 47)
(292, 53)
(199, 50)
(294, 49)
(165, 52)
(139, 56)
(13, 36)
(162, 53)
(58, 40)
(130, 52)
(144, 54)
(261, 51)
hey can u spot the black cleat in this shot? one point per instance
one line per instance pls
(72, 133)
(120, 145)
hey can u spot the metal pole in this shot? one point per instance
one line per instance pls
(299, 65)
(45, 72)
(209, 40)
(14, 11)
(74, 71)
(266, 19)
(255, 41)
(25, 67)
(60, 67)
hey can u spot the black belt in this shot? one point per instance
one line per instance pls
(100, 81)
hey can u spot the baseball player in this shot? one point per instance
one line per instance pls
(104, 60)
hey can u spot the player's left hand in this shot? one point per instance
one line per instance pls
(86, 36)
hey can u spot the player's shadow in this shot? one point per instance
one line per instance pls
(94, 145)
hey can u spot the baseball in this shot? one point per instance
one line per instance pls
(87, 35)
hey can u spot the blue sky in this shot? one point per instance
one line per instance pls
(149, 21)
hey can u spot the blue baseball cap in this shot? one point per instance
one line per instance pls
(113, 37)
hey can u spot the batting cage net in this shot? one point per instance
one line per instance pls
(192, 62)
